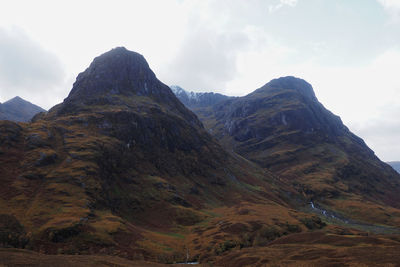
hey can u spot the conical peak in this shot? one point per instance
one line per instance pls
(117, 59)
(116, 72)
(120, 78)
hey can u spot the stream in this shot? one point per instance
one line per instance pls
(337, 219)
(326, 213)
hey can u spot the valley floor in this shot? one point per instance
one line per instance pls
(20, 257)
(303, 249)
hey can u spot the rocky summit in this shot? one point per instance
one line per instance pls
(122, 169)
(119, 78)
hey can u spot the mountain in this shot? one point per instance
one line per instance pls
(395, 165)
(18, 109)
(122, 167)
(283, 127)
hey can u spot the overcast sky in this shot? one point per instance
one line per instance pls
(349, 50)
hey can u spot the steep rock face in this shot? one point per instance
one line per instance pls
(282, 127)
(287, 105)
(18, 109)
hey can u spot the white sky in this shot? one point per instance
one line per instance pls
(348, 50)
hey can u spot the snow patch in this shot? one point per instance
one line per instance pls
(178, 91)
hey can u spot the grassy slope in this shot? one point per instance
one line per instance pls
(319, 249)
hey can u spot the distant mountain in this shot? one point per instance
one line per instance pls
(18, 109)
(395, 165)
(194, 100)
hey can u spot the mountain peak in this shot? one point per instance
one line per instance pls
(120, 78)
(116, 72)
(16, 99)
(293, 83)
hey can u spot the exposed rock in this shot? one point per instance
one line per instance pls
(46, 158)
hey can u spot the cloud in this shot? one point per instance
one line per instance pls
(26, 68)
(382, 133)
(392, 7)
(366, 97)
(218, 34)
(282, 3)
(390, 4)
(206, 59)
